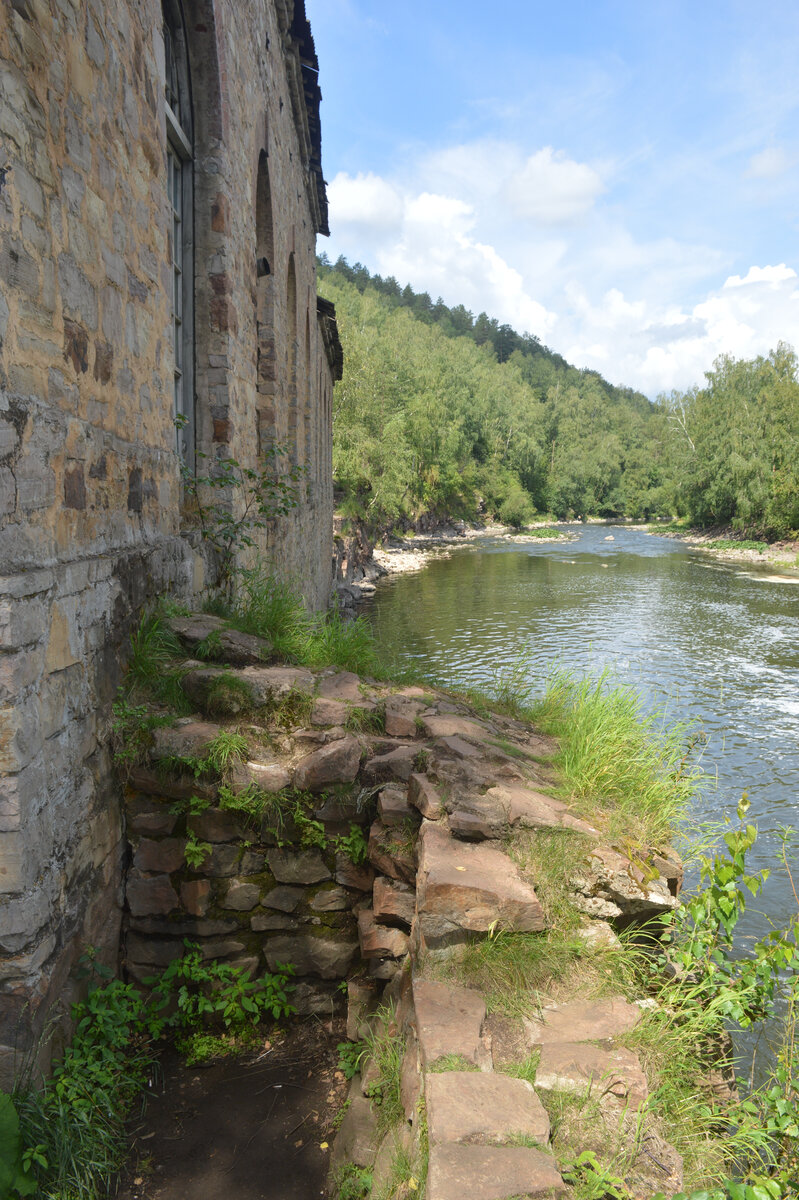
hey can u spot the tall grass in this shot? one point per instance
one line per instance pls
(270, 608)
(611, 755)
(151, 666)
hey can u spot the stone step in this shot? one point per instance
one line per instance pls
(532, 809)
(464, 888)
(473, 1106)
(579, 1067)
(458, 1172)
(584, 1021)
(227, 645)
(449, 1020)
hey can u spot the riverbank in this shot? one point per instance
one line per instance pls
(727, 545)
(399, 555)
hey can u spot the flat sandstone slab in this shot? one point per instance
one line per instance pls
(468, 1106)
(464, 888)
(578, 1066)
(449, 1020)
(459, 1172)
(533, 810)
(584, 1021)
(440, 727)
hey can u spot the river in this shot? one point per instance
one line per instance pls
(716, 643)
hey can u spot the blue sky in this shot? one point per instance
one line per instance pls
(621, 179)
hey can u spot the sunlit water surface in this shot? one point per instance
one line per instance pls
(716, 643)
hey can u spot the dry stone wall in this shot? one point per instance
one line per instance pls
(92, 520)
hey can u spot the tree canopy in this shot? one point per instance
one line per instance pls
(445, 414)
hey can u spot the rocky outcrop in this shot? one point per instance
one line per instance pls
(364, 832)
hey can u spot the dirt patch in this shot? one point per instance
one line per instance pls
(250, 1127)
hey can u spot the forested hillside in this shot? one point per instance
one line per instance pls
(446, 414)
(735, 450)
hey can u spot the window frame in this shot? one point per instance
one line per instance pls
(180, 190)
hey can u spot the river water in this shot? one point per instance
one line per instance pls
(716, 643)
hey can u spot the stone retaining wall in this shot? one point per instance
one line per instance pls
(93, 520)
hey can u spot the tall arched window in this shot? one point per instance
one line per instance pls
(179, 151)
(265, 307)
(292, 348)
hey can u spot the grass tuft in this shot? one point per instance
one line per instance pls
(270, 609)
(152, 668)
(510, 969)
(385, 1047)
(613, 756)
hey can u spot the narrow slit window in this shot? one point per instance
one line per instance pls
(177, 95)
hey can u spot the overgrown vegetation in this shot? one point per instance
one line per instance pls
(269, 608)
(66, 1140)
(443, 413)
(231, 501)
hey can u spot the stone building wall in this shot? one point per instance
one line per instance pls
(93, 524)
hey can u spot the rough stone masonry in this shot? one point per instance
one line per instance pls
(160, 197)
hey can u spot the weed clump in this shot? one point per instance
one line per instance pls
(613, 756)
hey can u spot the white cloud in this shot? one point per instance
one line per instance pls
(365, 200)
(592, 290)
(552, 189)
(775, 275)
(769, 163)
(432, 243)
(659, 350)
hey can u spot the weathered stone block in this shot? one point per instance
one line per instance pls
(222, 861)
(464, 888)
(380, 941)
(195, 896)
(401, 716)
(396, 764)
(464, 1106)
(262, 922)
(322, 955)
(335, 763)
(285, 899)
(328, 712)
(394, 809)
(424, 796)
(350, 876)
(393, 903)
(303, 866)
(449, 1020)
(241, 896)
(145, 817)
(166, 855)
(491, 1173)
(267, 777)
(150, 895)
(215, 825)
(332, 899)
(392, 851)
